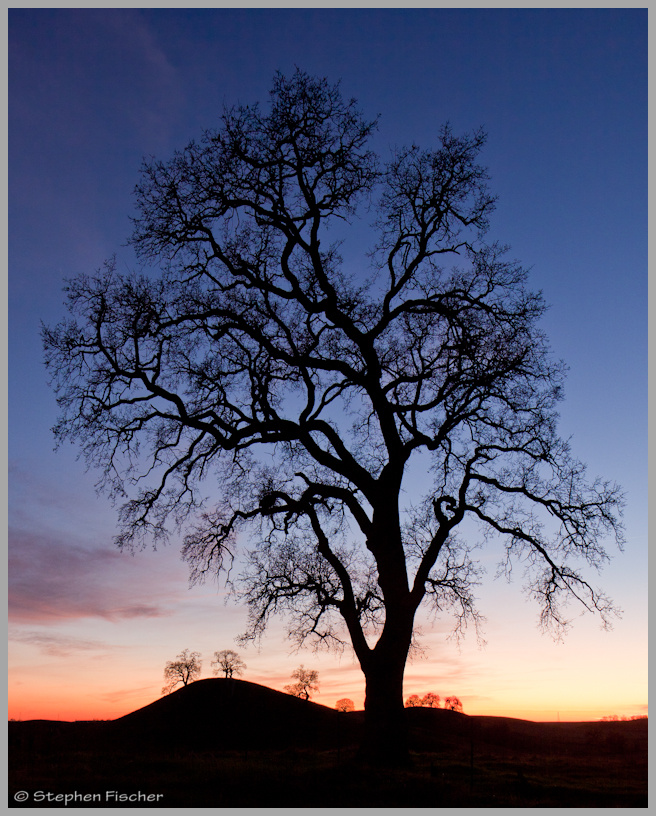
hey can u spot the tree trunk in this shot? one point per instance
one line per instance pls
(385, 737)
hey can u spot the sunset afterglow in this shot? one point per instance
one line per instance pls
(562, 94)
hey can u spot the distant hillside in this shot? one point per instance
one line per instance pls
(437, 729)
(235, 713)
(229, 743)
(221, 714)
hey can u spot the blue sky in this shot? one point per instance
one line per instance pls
(562, 94)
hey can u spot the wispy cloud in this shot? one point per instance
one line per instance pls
(157, 80)
(125, 694)
(115, 45)
(58, 645)
(54, 580)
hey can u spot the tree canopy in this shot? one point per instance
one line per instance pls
(307, 682)
(184, 669)
(228, 662)
(250, 355)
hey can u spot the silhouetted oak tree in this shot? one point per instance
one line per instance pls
(345, 704)
(228, 662)
(184, 669)
(305, 389)
(307, 681)
(429, 700)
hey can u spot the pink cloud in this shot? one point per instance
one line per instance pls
(58, 645)
(51, 579)
(125, 694)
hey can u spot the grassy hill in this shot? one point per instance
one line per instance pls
(236, 714)
(231, 743)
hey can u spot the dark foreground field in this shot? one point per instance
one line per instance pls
(229, 743)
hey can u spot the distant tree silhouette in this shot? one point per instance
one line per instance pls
(184, 669)
(345, 704)
(621, 718)
(307, 681)
(308, 387)
(429, 700)
(228, 662)
(453, 704)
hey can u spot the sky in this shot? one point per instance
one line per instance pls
(562, 94)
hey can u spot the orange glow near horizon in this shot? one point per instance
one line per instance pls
(86, 668)
(30, 700)
(58, 704)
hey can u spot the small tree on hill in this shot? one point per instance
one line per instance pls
(228, 662)
(184, 669)
(413, 701)
(345, 705)
(307, 681)
(453, 704)
(431, 700)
